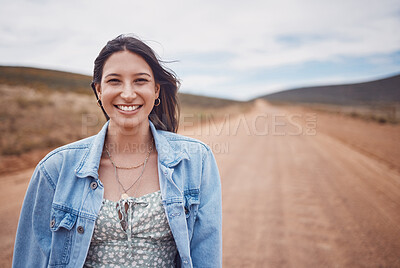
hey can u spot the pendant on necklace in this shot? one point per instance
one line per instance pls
(124, 196)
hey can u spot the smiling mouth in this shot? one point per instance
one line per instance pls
(128, 108)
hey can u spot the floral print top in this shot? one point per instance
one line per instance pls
(137, 236)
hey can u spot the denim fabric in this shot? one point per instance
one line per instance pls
(65, 195)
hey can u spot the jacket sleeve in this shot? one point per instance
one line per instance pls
(33, 239)
(206, 243)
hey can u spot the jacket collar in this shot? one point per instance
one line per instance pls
(167, 155)
(89, 165)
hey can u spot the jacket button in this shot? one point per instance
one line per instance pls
(93, 185)
(52, 223)
(80, 230)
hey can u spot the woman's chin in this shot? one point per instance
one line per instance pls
(126, 125)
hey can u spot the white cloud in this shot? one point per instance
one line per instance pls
(257, 34)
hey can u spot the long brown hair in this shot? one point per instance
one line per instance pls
(164, 116)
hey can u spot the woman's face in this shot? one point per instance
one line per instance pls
(127, 90)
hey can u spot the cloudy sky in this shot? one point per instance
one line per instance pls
(230, 49)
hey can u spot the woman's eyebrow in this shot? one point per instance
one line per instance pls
(112, 74)
(143, 74)
(137, 74)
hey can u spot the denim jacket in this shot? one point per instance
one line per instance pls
(65, 195)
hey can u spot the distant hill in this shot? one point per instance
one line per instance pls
(204, 101)
(374, 92)
(44, 79)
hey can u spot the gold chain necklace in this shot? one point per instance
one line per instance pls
(125, 195)
(132, 167)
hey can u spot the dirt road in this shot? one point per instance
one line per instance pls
(294, 194)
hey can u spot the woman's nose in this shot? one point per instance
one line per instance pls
(128, 92)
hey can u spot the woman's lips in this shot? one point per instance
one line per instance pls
(128, 108)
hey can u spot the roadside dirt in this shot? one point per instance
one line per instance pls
(297, 190)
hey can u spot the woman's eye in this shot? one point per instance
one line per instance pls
(113, 81)
(141, 80)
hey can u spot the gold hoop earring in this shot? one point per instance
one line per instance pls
(157, 103)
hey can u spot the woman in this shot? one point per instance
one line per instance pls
(136, 194)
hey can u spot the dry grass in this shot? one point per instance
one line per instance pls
(194, 115)
(33, 121)
(36, 120)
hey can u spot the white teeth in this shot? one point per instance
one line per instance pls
(127, 108)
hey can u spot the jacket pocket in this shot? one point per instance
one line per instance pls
(61, 225)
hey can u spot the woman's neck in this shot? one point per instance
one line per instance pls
(128, 141)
